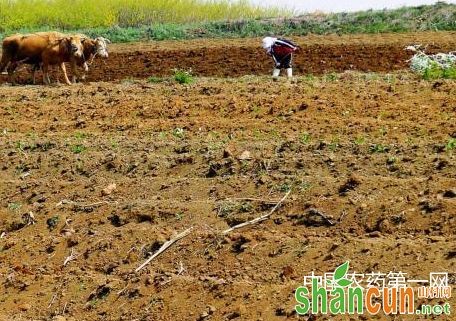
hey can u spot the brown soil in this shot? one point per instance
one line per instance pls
(62, 148)
(239, 57)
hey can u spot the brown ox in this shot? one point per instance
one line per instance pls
(91, 48)
(68, 48)
(26, 48)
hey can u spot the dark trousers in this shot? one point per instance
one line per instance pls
(285, 62)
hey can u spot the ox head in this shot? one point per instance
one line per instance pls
(73, 44)
(101, 48)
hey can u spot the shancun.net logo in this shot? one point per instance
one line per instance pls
(381, 291)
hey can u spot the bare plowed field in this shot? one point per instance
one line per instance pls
(94, 178)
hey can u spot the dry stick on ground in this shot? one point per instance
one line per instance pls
(54, 296)
(65, 201)
(165, 247)
(258, 219)
(71, 257)
(253, 200)
(341, 217)
(52, 300)
(314, 211)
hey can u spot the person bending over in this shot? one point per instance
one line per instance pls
(281, 51)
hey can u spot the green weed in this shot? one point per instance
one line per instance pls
(183, 77)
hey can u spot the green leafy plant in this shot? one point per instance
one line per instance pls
(284, 188)
(77, 149)
(440, 65)
(178, 132)
(14, 206)
(331, 76)
(360, 140)
(21, 145)
(183, 77)
(52, 222)
(226, 209)
(451, 144)
(33, 146)
(305, 137)
(377, 148)
(436, 72)
(20, 168)
(333, 146)
(258, 134)
(310, 77)
(245, 207)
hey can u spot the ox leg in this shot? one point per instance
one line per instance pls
(74, 73)
(3, 66)
(4, 62)
(86, 70)
(65, 75)
(46, 79)
(11, 68)
(32, 75)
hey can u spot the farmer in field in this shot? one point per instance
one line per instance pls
(281, 51)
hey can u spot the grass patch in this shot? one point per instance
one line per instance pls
(127, 81)
(155, 80)
(437, 72)
(78, 148)
(183, 77)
